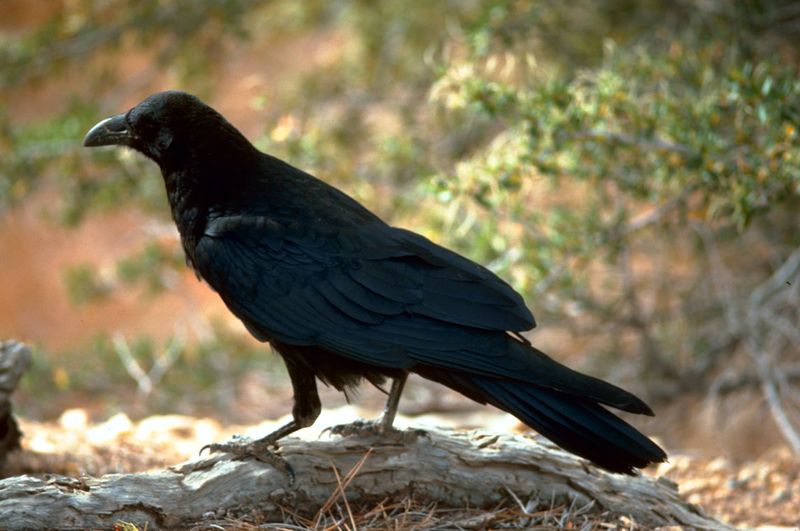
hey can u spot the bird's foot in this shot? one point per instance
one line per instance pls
(261, 450)
(374, 428)
(364, 428)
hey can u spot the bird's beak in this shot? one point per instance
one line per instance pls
(111, 131)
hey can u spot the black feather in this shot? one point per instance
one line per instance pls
(342, 296)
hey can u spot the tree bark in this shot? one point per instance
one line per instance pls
(15, 359)
(454, 469)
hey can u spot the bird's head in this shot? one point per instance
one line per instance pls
(166, 127)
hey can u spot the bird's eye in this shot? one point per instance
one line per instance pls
(163, 139)
(157, 135)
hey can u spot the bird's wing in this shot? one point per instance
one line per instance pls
(382, 296)
(449, 287)
(373, 287)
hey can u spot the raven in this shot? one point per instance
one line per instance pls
(344, 297)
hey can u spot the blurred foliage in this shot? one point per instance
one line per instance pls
(205, 378)
(611, 159)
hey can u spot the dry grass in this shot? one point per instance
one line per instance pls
(413, 514)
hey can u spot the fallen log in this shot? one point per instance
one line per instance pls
(454, 469)
(15, 359)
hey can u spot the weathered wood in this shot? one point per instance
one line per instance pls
(454, 469)
(15, 358)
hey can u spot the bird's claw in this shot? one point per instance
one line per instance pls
(236, 441)
(261, 450)
(366, 428)
(358, 427)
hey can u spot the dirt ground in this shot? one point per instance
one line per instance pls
(763, 493)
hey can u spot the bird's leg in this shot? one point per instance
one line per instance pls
(383, 426)
(305, 411)
(390, 410)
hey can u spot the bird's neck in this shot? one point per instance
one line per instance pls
(202, 183)
(189, 208)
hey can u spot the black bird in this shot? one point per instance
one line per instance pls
(344, 297)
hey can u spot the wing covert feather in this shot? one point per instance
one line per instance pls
(379, 296)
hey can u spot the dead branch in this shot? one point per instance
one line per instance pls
(147, 381)
(764, 345)
(734, 383)
(15, 358)
(766, 317)
(450, 469)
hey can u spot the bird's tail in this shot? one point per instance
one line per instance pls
(576, 424)
(573, 420)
